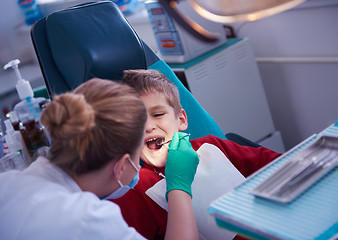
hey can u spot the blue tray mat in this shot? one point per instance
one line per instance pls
(313, 215)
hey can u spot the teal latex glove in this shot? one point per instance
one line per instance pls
(181, 164)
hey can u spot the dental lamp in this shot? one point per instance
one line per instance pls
(225, 11)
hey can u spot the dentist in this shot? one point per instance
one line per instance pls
(96, 135)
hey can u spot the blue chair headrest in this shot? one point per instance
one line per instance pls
(93, 40)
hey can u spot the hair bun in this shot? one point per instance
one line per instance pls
(68, 116)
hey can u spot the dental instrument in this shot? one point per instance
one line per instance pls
(161, 141)
(301, 172)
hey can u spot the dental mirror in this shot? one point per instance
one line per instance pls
(161, 141)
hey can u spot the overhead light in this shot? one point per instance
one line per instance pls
(225, 11)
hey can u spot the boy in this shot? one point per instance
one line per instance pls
(223, 164)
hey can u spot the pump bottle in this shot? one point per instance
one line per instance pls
(29, 112)
(29, 106)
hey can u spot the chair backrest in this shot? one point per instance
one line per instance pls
(95, 40)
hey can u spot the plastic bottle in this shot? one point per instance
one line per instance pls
(15, 143)
(31, 10)
(29, 106)
(1, 142)
(35, 137)
(128, 6)
(14, 120)
(29, 112)
(6, 151)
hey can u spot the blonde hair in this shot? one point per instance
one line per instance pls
(99, 121)
(147, 81)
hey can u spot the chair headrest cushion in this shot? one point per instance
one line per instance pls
(93, 40)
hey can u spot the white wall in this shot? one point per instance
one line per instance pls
(14, 34)
(302, 93)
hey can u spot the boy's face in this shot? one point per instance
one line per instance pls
(161, 123)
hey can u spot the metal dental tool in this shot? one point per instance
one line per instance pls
(306, 172)
(301, 171)
(161, 141)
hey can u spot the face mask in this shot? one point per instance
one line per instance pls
(124, 189)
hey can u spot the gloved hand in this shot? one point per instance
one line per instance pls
(181, 164)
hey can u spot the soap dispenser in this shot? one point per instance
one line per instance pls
(29, 112)
(28, 105)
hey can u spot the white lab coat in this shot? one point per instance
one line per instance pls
(43, 202)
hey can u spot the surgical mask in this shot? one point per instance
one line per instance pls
(125, 188)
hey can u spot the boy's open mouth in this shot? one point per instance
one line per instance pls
(155, 143)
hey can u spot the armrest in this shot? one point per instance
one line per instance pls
(241, 140)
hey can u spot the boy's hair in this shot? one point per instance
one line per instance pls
(100, 121)
(148, 81)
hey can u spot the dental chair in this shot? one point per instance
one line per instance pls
(95, 40)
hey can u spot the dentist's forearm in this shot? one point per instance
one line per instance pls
(181, 218)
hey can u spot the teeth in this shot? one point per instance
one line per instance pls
(153, 139)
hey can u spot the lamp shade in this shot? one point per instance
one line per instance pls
(224, 11)
(240, 10)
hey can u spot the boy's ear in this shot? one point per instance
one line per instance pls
(183, 120)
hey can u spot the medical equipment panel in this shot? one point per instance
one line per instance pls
(175, 44)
